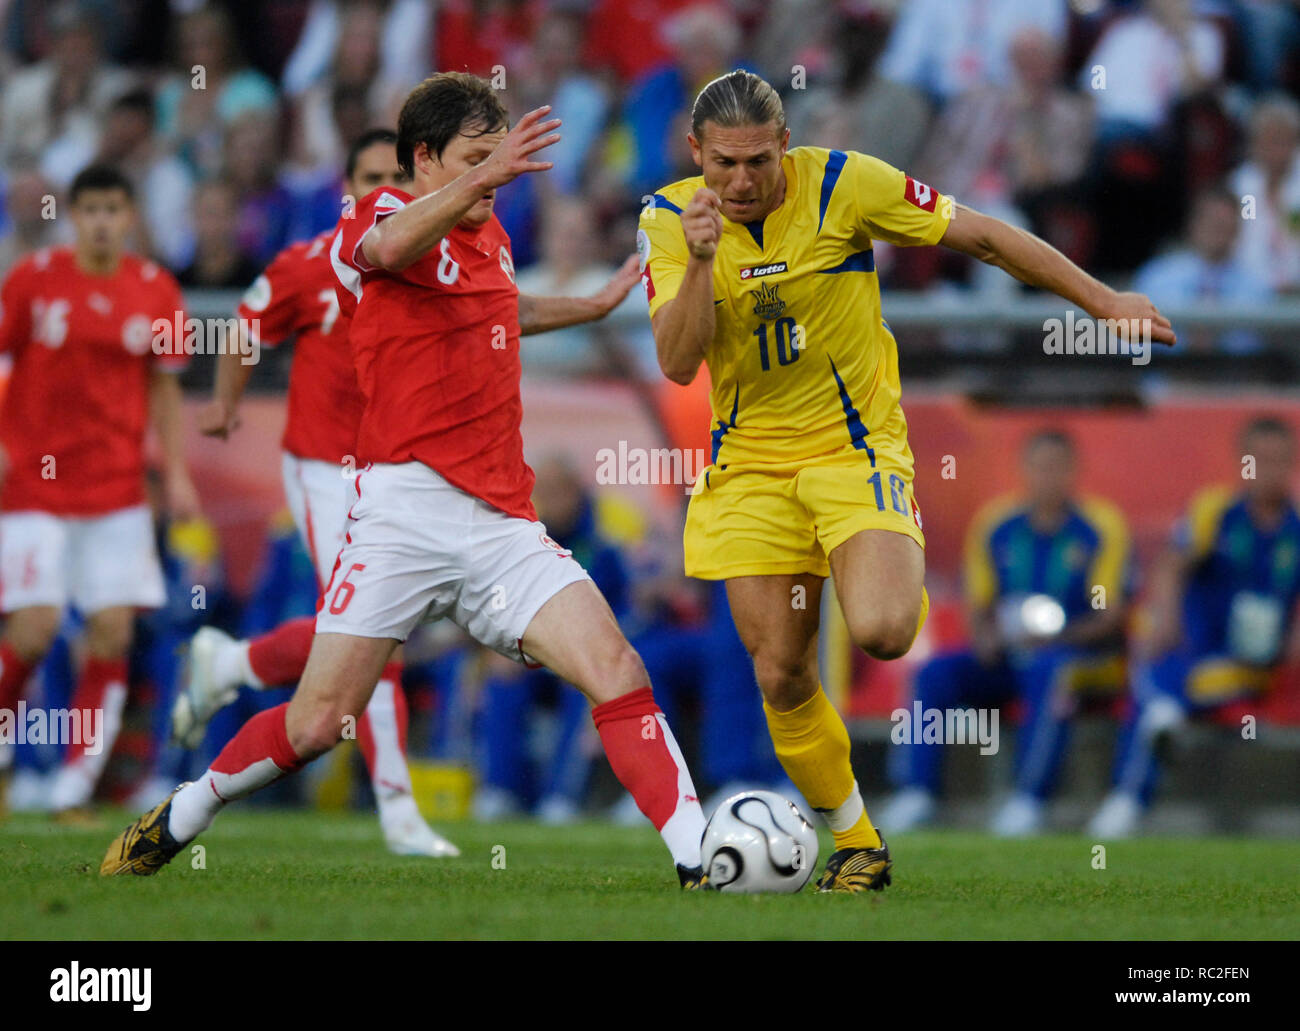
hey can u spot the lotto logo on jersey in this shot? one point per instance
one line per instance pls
(758, 271)
(648, 282)
(919, 194)
(916, 515)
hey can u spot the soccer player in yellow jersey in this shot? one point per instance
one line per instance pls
(763, 267)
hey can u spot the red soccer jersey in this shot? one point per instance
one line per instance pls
(77, 408)
(296, 295)
(436, 348)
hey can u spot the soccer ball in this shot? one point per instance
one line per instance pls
(758, 841)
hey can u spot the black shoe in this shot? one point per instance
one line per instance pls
(146, 846)
(855, 870)
(693, 878)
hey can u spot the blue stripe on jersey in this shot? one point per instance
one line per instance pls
(834, 166)
(721, 429)
(756, 231)
(660, 201)
(863, 261)
(857, 432)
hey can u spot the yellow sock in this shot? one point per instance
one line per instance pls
(813, 746)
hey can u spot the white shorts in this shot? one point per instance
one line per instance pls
(95, 562)
(418, 549)
(319, 497)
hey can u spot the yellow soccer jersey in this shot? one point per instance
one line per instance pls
(801, 360)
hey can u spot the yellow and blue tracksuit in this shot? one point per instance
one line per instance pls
(1242, 574)
(1007, 556)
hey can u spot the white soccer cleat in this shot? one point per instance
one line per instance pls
(1020, 817)
(207, 689)
(1119, 817)
(417, 838)
(907, 810)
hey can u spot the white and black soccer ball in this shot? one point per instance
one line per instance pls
(758, 841)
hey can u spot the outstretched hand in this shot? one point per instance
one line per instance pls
(513, 155)
(612, 293)
(1125, 307)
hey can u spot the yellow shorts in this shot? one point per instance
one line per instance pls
(771, 519)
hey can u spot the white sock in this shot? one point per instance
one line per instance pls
(845, 815)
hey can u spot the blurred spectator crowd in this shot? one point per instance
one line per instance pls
(1152, 141)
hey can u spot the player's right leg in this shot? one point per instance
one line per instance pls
(34, 555)
(28, 634)
(33, 595)
(777, 618)
(336, 686)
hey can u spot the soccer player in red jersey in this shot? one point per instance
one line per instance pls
(74, 525)
(295, 297)
(443, 524)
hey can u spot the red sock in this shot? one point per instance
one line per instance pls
(401, 714)
(101, 687)
(645, 758)
(259, 754)
(279, 657)
(13, 675)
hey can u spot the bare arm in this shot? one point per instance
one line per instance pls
(683, 327)
(1039, 264)
(220, 416)
(407, 235)
(168, 420)
(539, 314)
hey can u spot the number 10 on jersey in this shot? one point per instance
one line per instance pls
(789, 339)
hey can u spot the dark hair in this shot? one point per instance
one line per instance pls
(100, 177)
(366, 140)
(737, 99)
(443, 106)
(1048, 436)
(1267, 425)
(138, 101)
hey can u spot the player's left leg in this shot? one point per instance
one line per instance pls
(100, 697)
(574, 634)
(879, 579)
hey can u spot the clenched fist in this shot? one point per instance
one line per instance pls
(702, 224)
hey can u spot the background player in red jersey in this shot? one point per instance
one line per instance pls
(74, 525)
(443, 524)
(295, 298)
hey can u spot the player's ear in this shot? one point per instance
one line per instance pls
(423, 159)
(695, 149)
(785, 141)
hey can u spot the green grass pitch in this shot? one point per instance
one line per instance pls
(296, 874)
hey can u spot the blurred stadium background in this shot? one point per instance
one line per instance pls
(1176, 175)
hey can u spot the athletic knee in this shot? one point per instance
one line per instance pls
(315, 733)
(616, 672)
(885, 634)
(31, 632)
(109, 636)
(786, 681)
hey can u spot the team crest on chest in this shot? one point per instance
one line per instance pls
(507, 264)
(767, 302)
